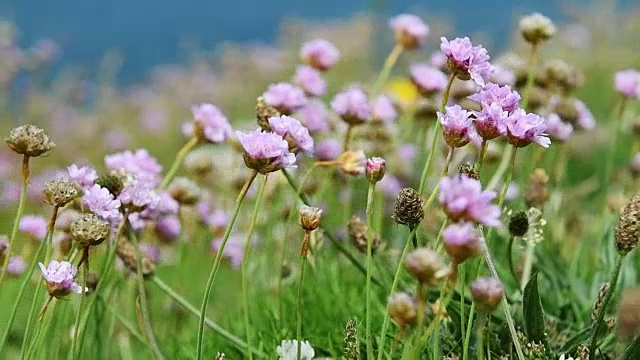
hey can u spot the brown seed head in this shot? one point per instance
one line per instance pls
(628, 227)
(90, 230)
(29, 140)
(597, 306)
(358, 233)
(409, 208)
(127, 253)
(265, 111)
(536, 193)
(59, 192)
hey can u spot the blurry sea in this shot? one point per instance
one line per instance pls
(148, 33)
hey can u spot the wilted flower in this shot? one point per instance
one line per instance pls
(320, 54)
(309, 217)
(33, 225)
(353, 162)
(375, 169)
(59, 192)
(463, 199)
(60, 278)
(209, 124)
(352, 105)
(467, 61)
(461, 241)
(525, 128)
(457, 127)
(288, 350)
(627, 83)
(410, 31)
(403, 309)
(383, 110)
(265, 152)
(29, 140)
(310, 80)
(296, 135)
(487, 293)
(99, 201)
(83, 176)
(90, 230)
(427, 79)
(536, 28)
(285, 97)
(426, 266)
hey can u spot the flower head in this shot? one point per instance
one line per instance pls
(99, 201)
(525, 128)
(352, 105)
(557, 129)
(288, 350)
(457, 126)
(285, 97)
(209, 124)
(503, 96)
(309, 217)
(463, 199)
(60, 278)
(467, 61)
(139, 163)
(375, 169)
(29, 140)
(168, 228)
(536, 28)
(296, 135)
(383, 110)
(409, 208)
(585, 118)
(487, 293)
(184, 190)
(314, 115)
(427, 79)
(410, 31)
(320, 54)
(328, 149)
(426, 266)
(403, 309)
(461, 241)
(265, 152)
(59, 192)
(33, 225)
(16, 266)
(83, 176)
(491, 121)
(310, 80)
(138, 195)
(627, 83)
(90, 230)
(353, 162)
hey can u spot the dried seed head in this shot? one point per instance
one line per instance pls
(309, 217)
(29, 140)
(469, 170)
(536, 193)
(351, 349)
(90, 230)
(403, 309)
(113, 182)
(358, 233)
(409, 208)
(629, 314)
(583, 352)
(426, 266)
(536, 28)
(487, 293)
(353, 162)
(184, 191)
(127, 253)
(264, 112)
(59, 192)
(628, 227)
(518, 223)
(597, 306)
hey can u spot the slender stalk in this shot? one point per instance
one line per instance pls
(512, 267)
(370, 193)
(218, 261)
(597, 325)
(434, 137)
(245, 260)
(482, 318)
(303, 260)
(507, 183)
(347, 137)
(142, 294)
(528, 264)
(463, 280)
(502, 168)
(467, 336)
(394, 284)
(530, 75)
(445, 171)
(16, 220)
(483, 150)
(178, 161)
(76, 327)
(389, 62)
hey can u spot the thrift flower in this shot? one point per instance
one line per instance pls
(503, 96)
(139, 163)
(383, 110)
(328, 149)
(265, 152)
(29, 140)
(209, 124)
(83, 176)
(526, 128)
(310, 80)
(296, 135)
(627, 83)
(491, 121)
(234, 249)
(456, 126)
(463, 199)
(138, 195)
(467, 61)
(288, 350)
(60, 278)
(320, 54)
(168, 228)
(557, 129)
(376, 167)
(427, 79)
(585, 118)
(16, 266)
(461, 241)
(536, 28)
(285, 97)
(314, 115)
(410, 31)
(403, 309)
(34, 226)
(352, 105)
(487, 292)
(99, 201)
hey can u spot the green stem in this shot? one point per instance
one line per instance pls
(512, 267)
(303, 260)
(347, 137)
(483, 150)
(142, 294)
(76, 327)
(507, 183)
(16, 220)
(528, 264)
(445, 171)
(245, 260)
(370, 193)
(502, 168)
(178, 161)
(597, 325)
(482, 317)
(434, 137)
(467, 336)
(386, 69)
(530, 76)
(463, 284)
(218, 261)
(394, 284)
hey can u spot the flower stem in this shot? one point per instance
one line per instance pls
(445, 171)
(530, 75)
(507, 183)
(483, 150)
(347, 137)
(389, 62)
(76, 327)
(245, 259)
(218, 261)
(303, 261)
(178, 161)
(434, 137)
(482, 318)
(597, 325)
(370, 193)
(394, 284)
(512, 267)
(16, 220)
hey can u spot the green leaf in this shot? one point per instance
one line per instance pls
(532, 310)
(633, 351)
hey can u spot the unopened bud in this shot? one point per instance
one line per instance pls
(309, 217)
(487, 293)
(426, 266)
(376, 167)
(403, 309)
(537, 28)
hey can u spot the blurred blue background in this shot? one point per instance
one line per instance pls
(149, 33)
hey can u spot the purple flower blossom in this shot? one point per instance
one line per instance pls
(310, 80)
(151, 251)
(100, 202)
(84, 176)
(503, 96)
(34, 226)
(467, 61)
(557, 129)
(266, 152)
(490, 122)
(410, 31)
(427, 79)
(438, 60)
(503, 76)
(456, 126)
(296, 135)
(209, 123)
(585, 118)
(375, 169)
(314, 116)
(487, 292)
(524, 129)
(328, 149)
(168, 228)
(627, 83)
(139, 195)
(352, 105)
(463, 199)
(140, 164)
(383, 110)
(461, 241)
(60, 278)
(16, 266)
(165, 206)
(217, 220)
(320, 54)
(285, 97)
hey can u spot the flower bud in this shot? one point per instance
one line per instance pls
(59, 192)
(29, 140)
(403, 309)
(518, 223)
(487, 292)
(114, 182)
(537, 28)
(409, 208)
(410, 31)
(264, 112)
(461, 241)
(353, 162)
(628, 227)
(90, 230)
(375, 169)
(426, 266)
(309, 217)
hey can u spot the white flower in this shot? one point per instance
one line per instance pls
(562, 357)
(288, 350)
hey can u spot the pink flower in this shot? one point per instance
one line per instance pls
(427, 79)
(320, 54)
(438, 60)
(503, 96)
(60, 278)
(524, 129)
(328, 149)
(99, 201)
(16, 266)
(265, 152)
(84, 176)
(467, 61)
(464, 200)
(410, 31)
(456, 126)
(383, 110)
(352, 105)
(139, 164)
(487, 292)
(293, 132)
(627, 83)
(34, 226)
(139, 195)
(376, 167)
(557, 129)
(314, 117)
(461, 241)
(217, 220)
(585, 119)
(285, 97)
(310, 80)
(490, 122)
(209, 123)
(503, 76)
